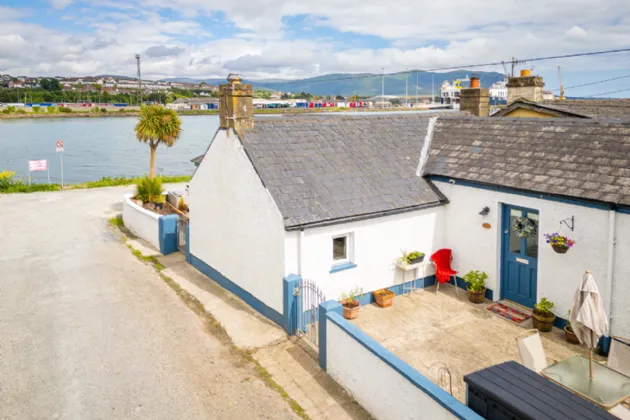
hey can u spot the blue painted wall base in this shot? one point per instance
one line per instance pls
(250, 299)
(429, 281)
(167, 226)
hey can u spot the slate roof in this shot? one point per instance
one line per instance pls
(578, 108)
(587, 159)
(595, 108)
(328, 170)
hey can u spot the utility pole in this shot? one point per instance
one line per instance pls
(383, 87)
(417, 87)
(406, 90)
(139, 80)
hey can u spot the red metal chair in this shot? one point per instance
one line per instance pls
(443, 271)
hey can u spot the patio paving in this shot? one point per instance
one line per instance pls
(431, 331)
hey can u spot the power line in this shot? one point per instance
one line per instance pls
(468, 66)
(593, 83)
(610, 93)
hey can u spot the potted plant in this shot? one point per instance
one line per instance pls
(413, 257)
(476, 281)
(559, 243)
(383, 297)
(543, 316)
(569, 334)
(350, 303)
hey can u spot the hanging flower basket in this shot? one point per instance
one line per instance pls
(560, 249)
(524, 227)
(560, 244)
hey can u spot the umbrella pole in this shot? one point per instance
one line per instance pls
(590, 364)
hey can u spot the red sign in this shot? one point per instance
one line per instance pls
(59, 143)
(37, 165)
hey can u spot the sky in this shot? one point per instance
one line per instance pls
(290, 39)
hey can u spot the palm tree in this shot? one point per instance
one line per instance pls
(157, 125)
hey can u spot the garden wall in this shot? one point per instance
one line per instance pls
(141, 222)
(383, 384)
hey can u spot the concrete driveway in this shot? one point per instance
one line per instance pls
(89, 332)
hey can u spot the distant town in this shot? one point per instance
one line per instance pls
(124, 92)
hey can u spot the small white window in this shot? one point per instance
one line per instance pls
(342, 249)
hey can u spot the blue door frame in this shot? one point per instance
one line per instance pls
(519, 258)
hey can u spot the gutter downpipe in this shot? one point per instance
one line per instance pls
(610, 268)
(300, 253)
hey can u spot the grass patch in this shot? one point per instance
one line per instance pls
(151, 259)
(9, 184)
(122, 181)
(214, 327)
(117, 221)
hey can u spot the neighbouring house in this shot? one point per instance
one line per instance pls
(570, 108)
(336, 199)
(195, 103)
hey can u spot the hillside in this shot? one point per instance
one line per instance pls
(360, 84)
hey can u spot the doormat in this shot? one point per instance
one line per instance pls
(509, 313)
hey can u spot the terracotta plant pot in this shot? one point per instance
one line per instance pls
(383, 297)
(570, 335)
(543, 322)
(560, 249)
(477, 297)
(351, 309)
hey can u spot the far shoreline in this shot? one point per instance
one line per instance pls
(275, 111)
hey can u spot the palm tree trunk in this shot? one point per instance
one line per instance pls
(152, 167)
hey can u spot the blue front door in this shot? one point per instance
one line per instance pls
(519, 267)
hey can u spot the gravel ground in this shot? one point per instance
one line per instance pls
(89, 332)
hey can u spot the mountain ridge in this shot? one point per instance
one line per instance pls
(363, 84)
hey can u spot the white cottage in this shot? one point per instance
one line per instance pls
(570, 176)
(335, 200)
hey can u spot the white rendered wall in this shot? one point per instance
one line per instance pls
(621, 291)
(378, 243)
(235, 226)
(141, 222)
(476, 248)
(380, 389)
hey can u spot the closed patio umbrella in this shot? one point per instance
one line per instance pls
(588, 317)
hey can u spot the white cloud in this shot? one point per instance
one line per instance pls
(173, 37)
(60, 4)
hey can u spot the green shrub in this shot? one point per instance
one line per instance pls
(53, 109)
(11, 108)
(544, 306)
(149, 190)
(103, 110)
(6, 180)
(10, 185)
(95, 109)
(21, 111)
(65, 110)
(6, 111)
(476, 280)
(37, 109)
(121, 110)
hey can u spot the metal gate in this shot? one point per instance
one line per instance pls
(308, 322)
(182, 226)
